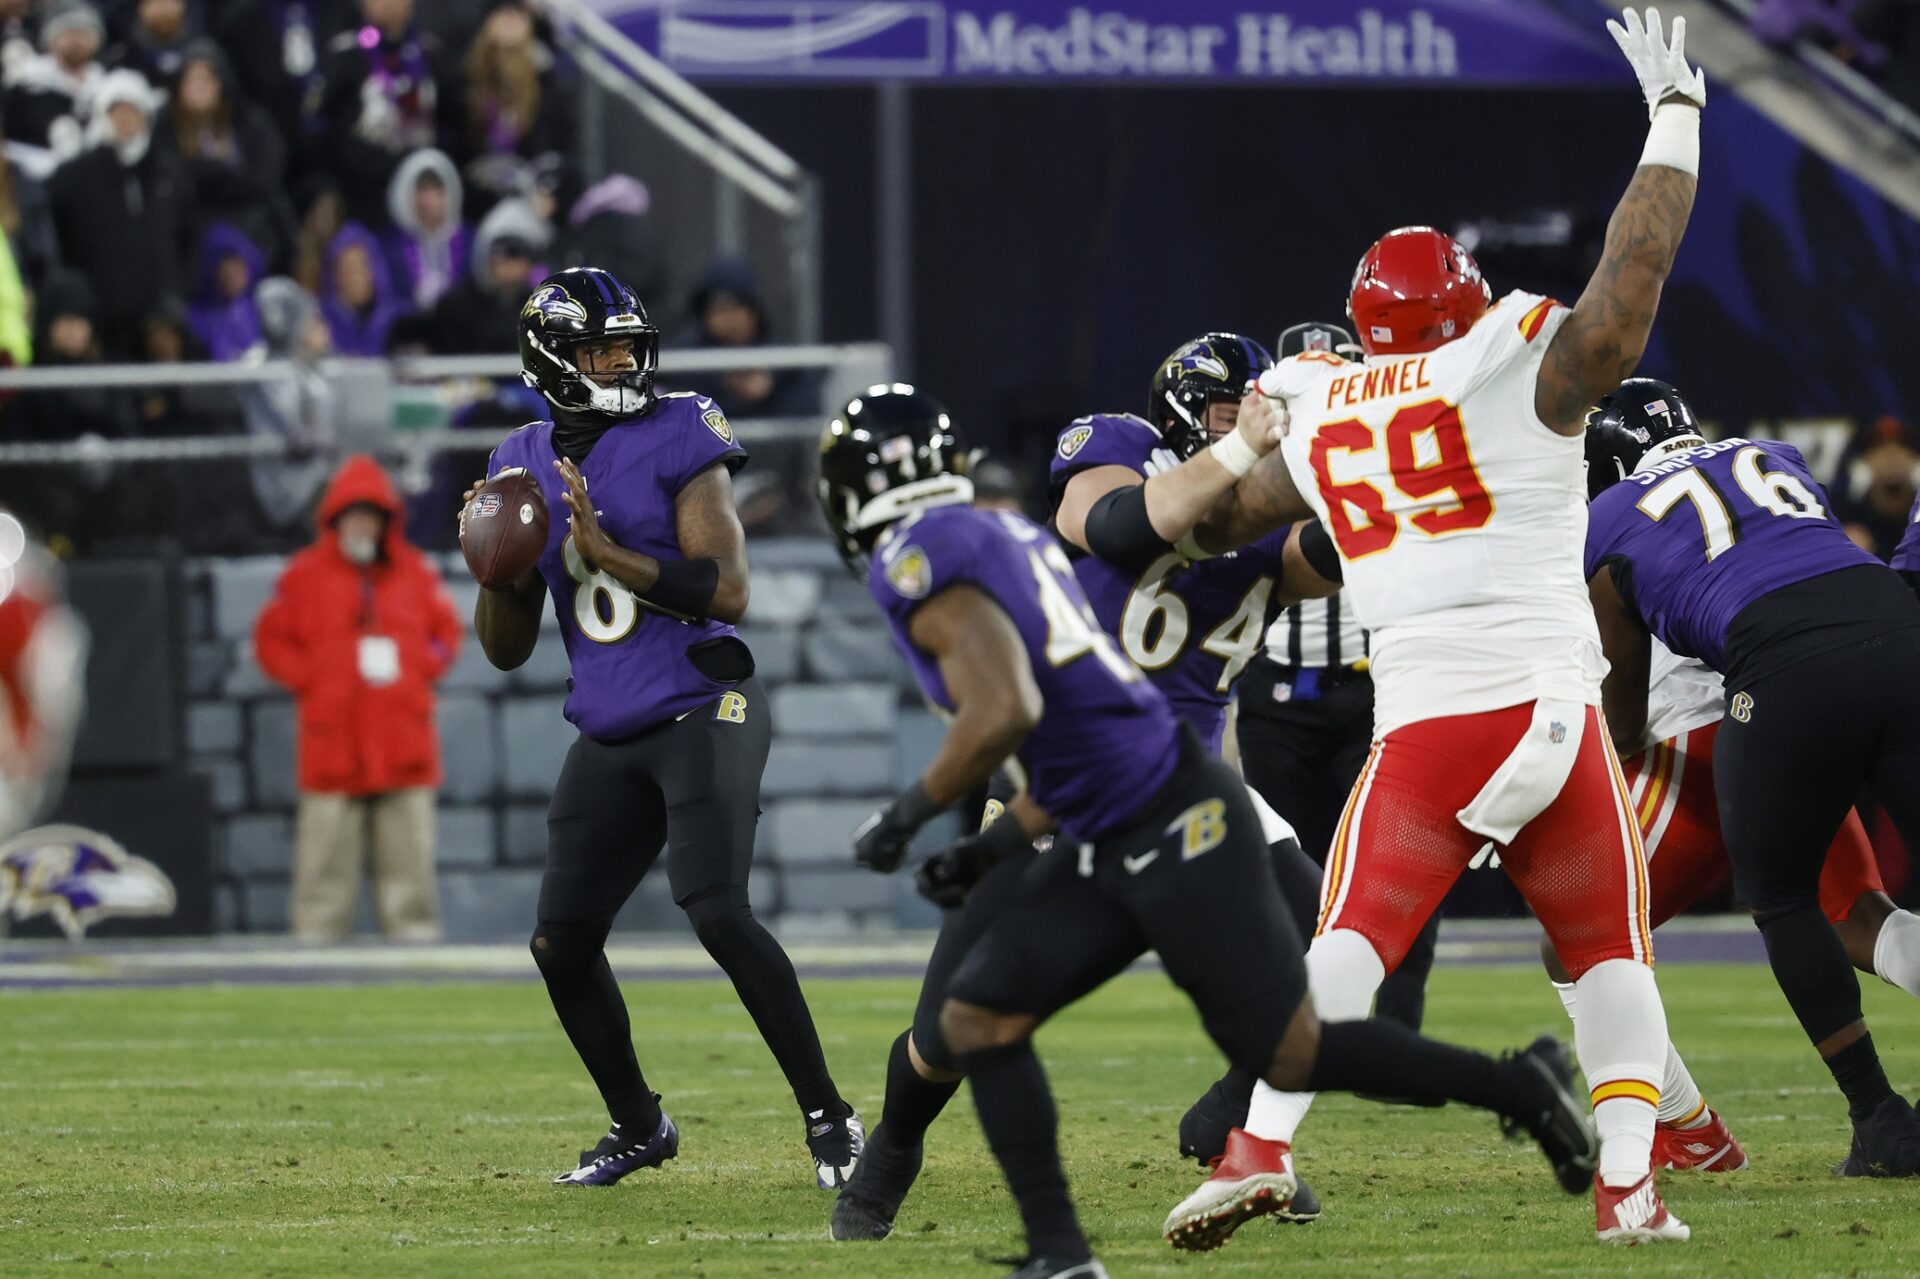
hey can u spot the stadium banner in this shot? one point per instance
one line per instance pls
(1469, 43)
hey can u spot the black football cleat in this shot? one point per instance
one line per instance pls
(1221, 1109)
(1562, 1123)
(1054, 1268)
(618, 1154)
(1303, 1208)
(872, 1196)
(835, 1141)
(1885, 1143)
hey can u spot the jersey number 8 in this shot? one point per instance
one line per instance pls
(605, 610)
(1427, 457)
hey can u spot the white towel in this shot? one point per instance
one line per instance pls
(1531, 777)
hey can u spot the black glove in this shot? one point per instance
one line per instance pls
(949, 875)
(880, 842)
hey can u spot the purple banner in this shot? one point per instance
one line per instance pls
(1463, 42)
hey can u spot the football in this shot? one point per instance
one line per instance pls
(503, 530)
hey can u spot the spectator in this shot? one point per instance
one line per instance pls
(356, 295)
(516, 121)
(380, 97)
(26, 221)
(167, 338)
(123, 214)
(299, 411)
(275, 47)
(322, 213)
(480, 315)
(230, 150)
(609, 227)
(1896, 25)
(727, 311)
(360, 629)
(16, 37)
(156, 46)
(47, 99)
(429, 243)
(1877, 484)
(16, 323)
(224, 317)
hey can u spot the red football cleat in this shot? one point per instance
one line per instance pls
(1708, 1148)
(1254, 1178)
(1634, 1214)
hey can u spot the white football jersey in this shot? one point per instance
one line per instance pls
(1682, 694)
(1460, 517)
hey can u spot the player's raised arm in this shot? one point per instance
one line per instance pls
(1602, 341)
(1629, 650)
(996, 704)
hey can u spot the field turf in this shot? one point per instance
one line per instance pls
(411, 1130)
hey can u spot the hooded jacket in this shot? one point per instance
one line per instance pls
(359, 331)
(355, 736)
(242, 181)
(227, 328)
(425, 265)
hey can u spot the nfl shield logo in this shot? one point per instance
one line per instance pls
(1556, 732)
(487, 505)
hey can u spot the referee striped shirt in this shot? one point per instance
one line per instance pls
(1317, 633)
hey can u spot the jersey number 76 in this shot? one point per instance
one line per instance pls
(1775, 492)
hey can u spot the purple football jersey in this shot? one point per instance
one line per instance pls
(630, 667)
(1191, 626)
(1106, 741)
(1708, 531)
(1906, 556)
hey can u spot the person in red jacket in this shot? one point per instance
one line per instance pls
(360, 628)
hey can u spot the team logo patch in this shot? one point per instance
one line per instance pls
(78, 877)
(910, 573)
(717, 423)
(553, 301)
(1074, 439)
(1741, 707)
(487, 505)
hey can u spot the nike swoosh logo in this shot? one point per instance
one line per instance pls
(1134, 865)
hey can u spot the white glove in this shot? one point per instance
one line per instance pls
(1661, 66)
(1488, 856)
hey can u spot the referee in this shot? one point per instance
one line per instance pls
(1306, 722)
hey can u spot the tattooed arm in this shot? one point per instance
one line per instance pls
(1600, 344)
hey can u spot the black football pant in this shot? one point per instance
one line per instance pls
(692, 786)
(1811, 724)
(1302, 754)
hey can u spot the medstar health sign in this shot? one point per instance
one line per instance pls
(1469, 42)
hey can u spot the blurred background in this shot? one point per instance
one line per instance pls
(247, 239)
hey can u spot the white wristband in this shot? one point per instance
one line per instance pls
(1234, 454)
(1673, 139)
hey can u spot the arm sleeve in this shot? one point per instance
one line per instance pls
(1119, 530)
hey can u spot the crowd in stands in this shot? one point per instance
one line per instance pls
(236, 180)
(1881, 38)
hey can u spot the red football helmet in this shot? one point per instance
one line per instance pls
(1415, 289)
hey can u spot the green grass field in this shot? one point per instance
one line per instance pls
(411, 1130)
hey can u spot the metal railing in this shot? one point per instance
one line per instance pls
(849, 368)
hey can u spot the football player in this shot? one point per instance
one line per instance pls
(1125, 490)
(1448, 471)
(1906, 556)
(1158, 846)
(1728, 553)
(648, 573)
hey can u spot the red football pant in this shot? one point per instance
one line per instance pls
(1399, 846)
(1671, 785)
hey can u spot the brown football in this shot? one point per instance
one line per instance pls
(503, 530)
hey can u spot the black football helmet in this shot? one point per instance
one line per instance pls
(1212, 367)
(887, 454)
(1632, 420)
(586, 304)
